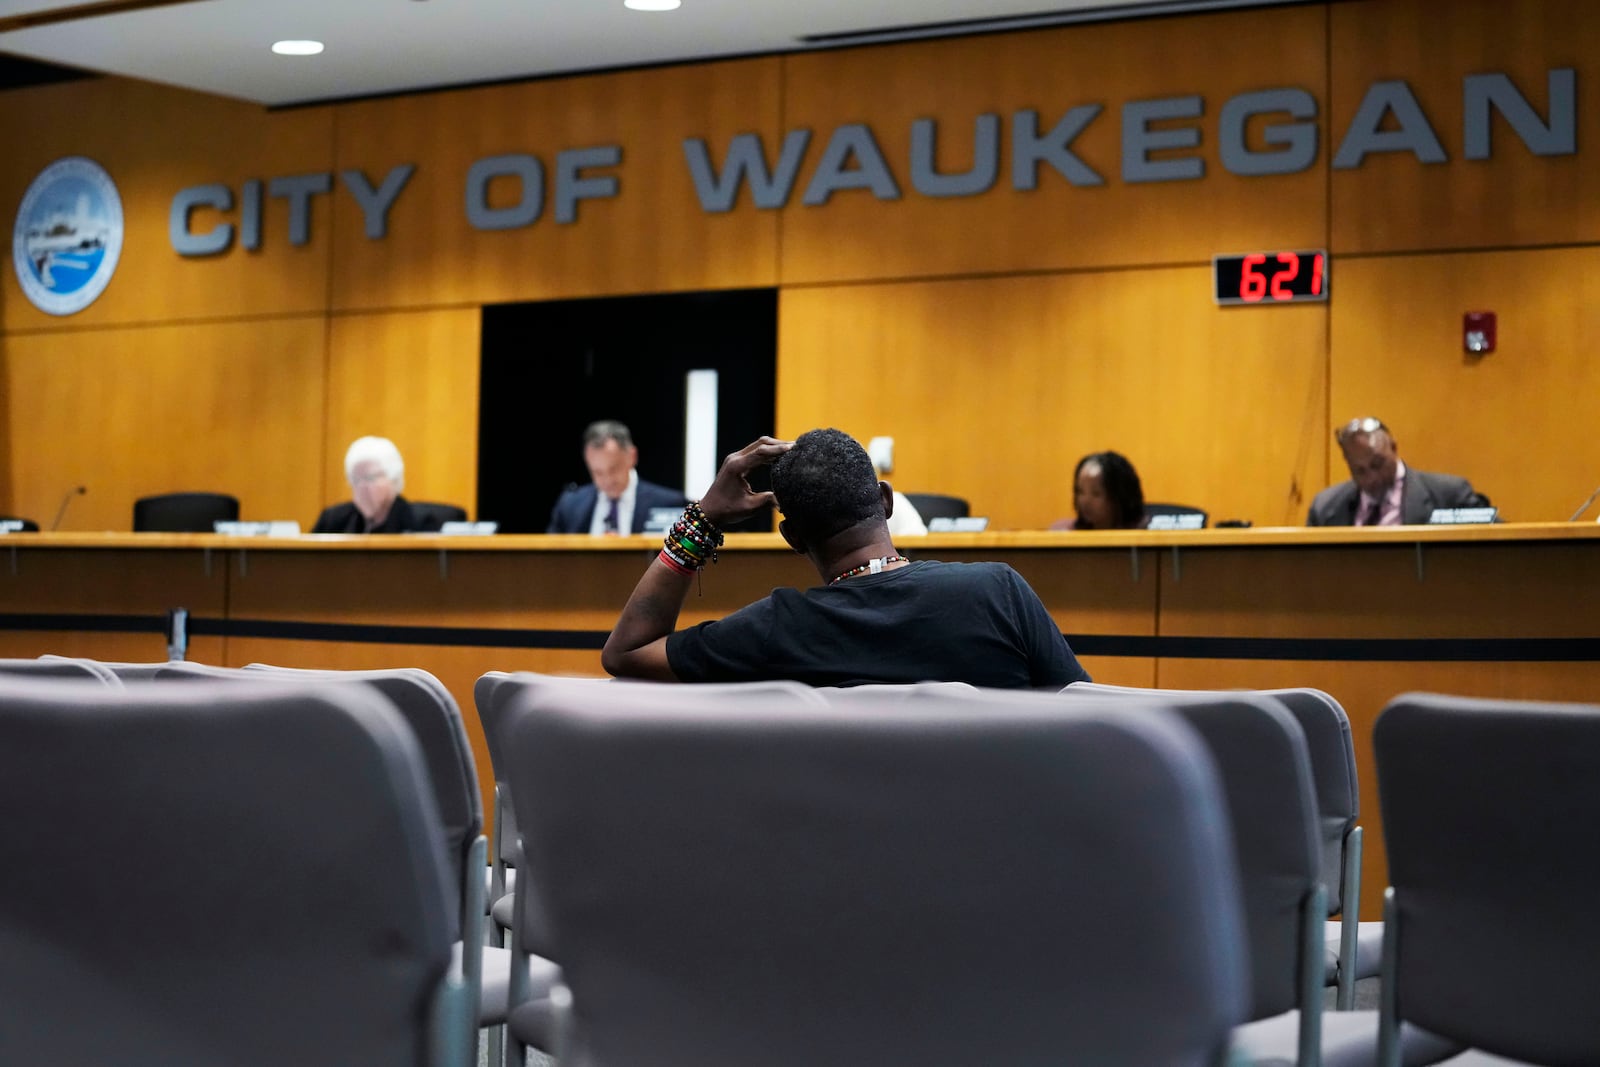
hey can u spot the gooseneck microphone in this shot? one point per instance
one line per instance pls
(79, 491)
(1585, 505)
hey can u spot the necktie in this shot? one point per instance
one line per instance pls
(611, 518)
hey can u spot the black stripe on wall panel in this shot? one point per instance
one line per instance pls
(1399, 649)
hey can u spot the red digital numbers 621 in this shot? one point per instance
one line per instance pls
(1270, 277)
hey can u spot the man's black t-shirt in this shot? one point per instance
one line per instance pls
(927, 621)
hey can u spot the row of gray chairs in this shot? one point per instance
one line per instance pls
(719, 854)
(220, 872)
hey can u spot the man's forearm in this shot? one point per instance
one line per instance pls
(636, 647)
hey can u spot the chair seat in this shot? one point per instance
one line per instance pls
(1369, 951)
(533, 1023)
(1475, 1058)
(542, 974)
(1349, 1039)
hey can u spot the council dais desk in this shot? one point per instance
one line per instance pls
(1500, 611)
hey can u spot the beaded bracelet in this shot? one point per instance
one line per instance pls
(692, 541)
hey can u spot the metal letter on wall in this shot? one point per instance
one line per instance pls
(215, 240)
(1481, 92)
(527, 169)
(979, 178)
(745, 161)
(1139, 140)
(1415, 134)
(1299, 139)
(831, 177)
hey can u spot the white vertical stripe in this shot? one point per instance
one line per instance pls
(699, 433)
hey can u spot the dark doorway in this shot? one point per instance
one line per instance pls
(551, 368)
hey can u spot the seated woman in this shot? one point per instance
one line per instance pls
(1107, 495)
(376, 474)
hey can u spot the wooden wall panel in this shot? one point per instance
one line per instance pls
(1393, 202)
(993, 389)
(1517, 422)
(653, 236)
(411, 377)
(155, 141)
(856, 235)
(232, 407)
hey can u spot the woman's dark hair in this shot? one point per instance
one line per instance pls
(1122, 487)
(825, 484)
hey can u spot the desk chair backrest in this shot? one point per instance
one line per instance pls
(1491, 814)
(215, 809)
(183, 512)
(430, 516)
(1152, 510)
(939, 506)
(782, 883)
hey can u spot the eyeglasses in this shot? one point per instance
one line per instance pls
(1355, 426)
(369, 478)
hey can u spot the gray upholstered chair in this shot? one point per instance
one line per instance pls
(771, 881)
(62, 667)
(1354, 948)
(1490, 813)
(173, 813)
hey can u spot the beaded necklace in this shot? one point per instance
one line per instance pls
(872, 566)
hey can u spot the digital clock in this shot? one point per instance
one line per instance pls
(1270, 277)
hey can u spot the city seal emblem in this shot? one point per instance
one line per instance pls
(68, 236)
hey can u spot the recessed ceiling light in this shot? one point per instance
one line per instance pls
(297, 48)
(651, 5)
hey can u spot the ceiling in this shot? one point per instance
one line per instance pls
(375, 47)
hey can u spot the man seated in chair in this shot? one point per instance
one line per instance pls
(1382, 490)
(876, 617)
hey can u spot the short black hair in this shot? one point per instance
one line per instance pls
(826, 484)
(1122, 486)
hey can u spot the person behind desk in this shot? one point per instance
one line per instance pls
(1382, 490)
(376, 473)
(875, 617)
(616, 500)
(1106, 495)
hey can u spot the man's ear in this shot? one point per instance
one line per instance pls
(789, 538)
(886, 491)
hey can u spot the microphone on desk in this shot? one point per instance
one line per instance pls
(1585, 505)
(82, 489)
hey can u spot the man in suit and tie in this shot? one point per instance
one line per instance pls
(616, 500)
(1382, 490)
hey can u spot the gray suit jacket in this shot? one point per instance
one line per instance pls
(1336, 505)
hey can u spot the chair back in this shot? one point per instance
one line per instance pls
(61, 667)
(431, 517)
(214, 810)
(765, 880)
(183, 512)
(939, 506)
(1266, 776)
(28, 525)
(1329, 744)
(1490, 812)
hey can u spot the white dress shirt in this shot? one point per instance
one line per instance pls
(602, 507)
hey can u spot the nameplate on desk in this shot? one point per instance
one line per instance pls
(1459, 516)
(281, 528)
(1192, 521)
(660, 520)
(469, 529)
(10, 526)
(964, 524)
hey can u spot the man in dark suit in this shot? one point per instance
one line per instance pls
(1382, 490)
(617, 500)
